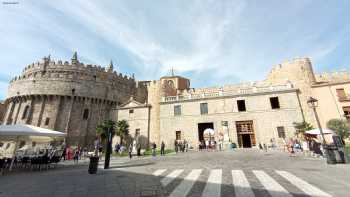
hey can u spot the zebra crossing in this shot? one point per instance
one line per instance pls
(240, 183)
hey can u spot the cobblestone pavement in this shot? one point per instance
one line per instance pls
(227, 173)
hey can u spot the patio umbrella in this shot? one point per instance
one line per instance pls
(208, 131)
(19, 130)
(317, 131)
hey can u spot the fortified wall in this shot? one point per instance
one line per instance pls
(68, 96)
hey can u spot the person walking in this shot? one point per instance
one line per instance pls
(162, 149)
(265, 147)
(130, 151)
(154, 146)
(176, 148)
(76, 155)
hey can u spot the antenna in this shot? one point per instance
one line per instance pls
(172, 71)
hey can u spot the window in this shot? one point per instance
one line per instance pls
(275, 104)
(177, 110)
(137, 132)
(178, 135)
(47, 121)
(25, 112)
(86, 114)
(131, 111)
(241, 105)
(33, 144)
(347, 112)
(281, 132)
(341, 93)
(204, 108)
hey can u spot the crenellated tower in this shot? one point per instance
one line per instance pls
(67, 96)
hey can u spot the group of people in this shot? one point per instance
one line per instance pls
(76, 154)
(210, 145)
(181, 146)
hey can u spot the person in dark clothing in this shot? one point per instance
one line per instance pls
(64, 154)
(130, 151)
(138, 149)
(176, 148)
(154, 146)
(162, 149)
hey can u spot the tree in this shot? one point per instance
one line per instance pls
(106, 130)
(122, 129)
(103, 129)
(340, 127)
(301, 127)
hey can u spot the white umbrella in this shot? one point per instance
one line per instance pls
(317, 131)
(28, 130)
(19, 130)
(208, 131)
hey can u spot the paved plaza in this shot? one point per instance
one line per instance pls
(229, 173)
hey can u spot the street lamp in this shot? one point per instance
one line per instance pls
(313, 103)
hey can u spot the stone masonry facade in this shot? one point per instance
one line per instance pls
(74, 98)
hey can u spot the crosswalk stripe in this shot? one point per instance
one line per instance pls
(303, 185)
(241, 184)
(170, 177)
(159, 172)
(186, 185)
(275, 189)
(213, 186)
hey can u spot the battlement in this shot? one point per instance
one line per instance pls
(292, 62)
(48, 68)
(333, 77)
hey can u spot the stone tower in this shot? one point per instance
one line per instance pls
(300, 73)
(69, 97)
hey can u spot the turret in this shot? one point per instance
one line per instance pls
(75, 58)
(109, 68)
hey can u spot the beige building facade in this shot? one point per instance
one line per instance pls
(74, 98)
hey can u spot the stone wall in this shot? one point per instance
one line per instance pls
(2, 111)
(69, 97)
(265, 119)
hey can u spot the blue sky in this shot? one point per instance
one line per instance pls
(210, 42)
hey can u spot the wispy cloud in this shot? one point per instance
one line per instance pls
(211, 42)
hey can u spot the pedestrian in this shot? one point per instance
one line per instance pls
(138, 149)
(176, 148)
(260, 146)
(154, 146)
(117, 147)
(206, 144)
(64, 153)
(76, 155)
(186, 146)
(265, 147)
(130, 151)
(162, 149)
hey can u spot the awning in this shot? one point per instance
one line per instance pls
(317, 131)
(28, 130)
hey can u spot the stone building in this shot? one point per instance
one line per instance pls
(74, 98)
(67, 96)
(2, 111)
(247, 113)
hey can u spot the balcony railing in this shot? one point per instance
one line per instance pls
(242, 91)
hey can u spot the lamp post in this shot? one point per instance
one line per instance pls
(313, 103)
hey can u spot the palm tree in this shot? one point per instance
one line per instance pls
(122, 130)
(104, 128)
(301, 127)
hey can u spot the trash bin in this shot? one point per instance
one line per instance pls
(93, 165)
(329, 151)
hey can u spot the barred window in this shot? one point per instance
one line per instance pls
(281, 132)
(177, 110)
(204, 108)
